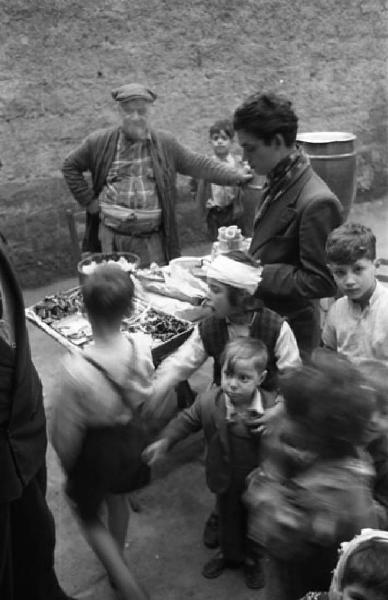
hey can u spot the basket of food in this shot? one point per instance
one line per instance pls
(126, 260)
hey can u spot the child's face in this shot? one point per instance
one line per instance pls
(359, 592)
(241, 381)
(356, 281)
(221, 143)
(378, 423)
(218, 300)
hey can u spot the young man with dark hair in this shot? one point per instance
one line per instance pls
(296, 213)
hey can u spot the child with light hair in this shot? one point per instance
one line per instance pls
(98, 427)
(226, 414)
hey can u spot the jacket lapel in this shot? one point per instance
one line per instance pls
(220, 422)
(280, 213)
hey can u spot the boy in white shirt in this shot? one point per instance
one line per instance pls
(357, 323)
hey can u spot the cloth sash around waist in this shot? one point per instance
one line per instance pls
(128, 221)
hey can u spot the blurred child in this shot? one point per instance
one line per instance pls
(362, 569)
(221, 204)
(232, 451)
(97, 430)
(357, 324)
(315, 488)
(232, 279)
(375, 374)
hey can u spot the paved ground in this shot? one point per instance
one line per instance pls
(164, 539)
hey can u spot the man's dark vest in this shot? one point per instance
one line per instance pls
(266, 325)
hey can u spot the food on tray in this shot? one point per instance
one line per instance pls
(57, 306)
(153, 273)
(75, 328)
(126, 265)
(160, 326)
(62, 316)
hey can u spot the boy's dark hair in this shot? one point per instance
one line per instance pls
(329, 397)
(108, 293)
(349, 243)
(265, 115)
(222, 125)
(245, 348)
(367, 566)
(234, 294)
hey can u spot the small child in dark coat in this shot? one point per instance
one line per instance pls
(232, 449)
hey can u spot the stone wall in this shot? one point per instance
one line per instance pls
(60, 59)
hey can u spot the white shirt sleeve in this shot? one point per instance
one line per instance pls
(286, 349)
(180, 365)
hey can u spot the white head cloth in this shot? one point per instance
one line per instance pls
(234, 273)
(347, 549)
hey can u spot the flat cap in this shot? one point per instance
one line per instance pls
(133, 91)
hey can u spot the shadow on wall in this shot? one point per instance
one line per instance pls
(33, 221)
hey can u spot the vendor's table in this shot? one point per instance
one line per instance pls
(60, 316)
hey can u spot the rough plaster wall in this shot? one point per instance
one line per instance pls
(60, 58)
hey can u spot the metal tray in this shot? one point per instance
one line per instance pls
(58, 327)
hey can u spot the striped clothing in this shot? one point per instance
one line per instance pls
(130, 181)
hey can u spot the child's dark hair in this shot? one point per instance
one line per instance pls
(329, 397)
(234, 294)
(349, 243)
(375, 373)
(222, 125)
(108, 293)
(368, 566)
(265, 115)
(245, 348)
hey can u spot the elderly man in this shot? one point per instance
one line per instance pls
(296, 213)
(133, 172)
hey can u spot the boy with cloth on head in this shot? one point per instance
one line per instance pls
(232, 279)
(357, 323)
(232, 449)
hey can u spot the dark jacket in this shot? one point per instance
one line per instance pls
(266, 325)
(23, 434)
(289, 239)
(378, 450)
(209, 413)
(96, 154)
